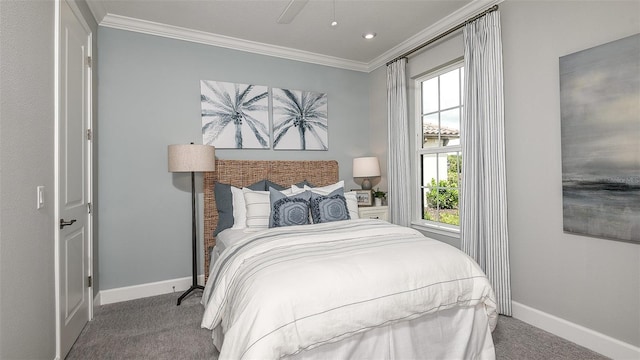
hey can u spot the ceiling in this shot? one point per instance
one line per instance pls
(252, 25)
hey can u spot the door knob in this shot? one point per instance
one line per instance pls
(65, 223)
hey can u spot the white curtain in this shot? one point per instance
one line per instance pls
(399, 172)
(483, 207)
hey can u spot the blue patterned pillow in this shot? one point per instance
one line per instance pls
(327, 208)
(288, 210)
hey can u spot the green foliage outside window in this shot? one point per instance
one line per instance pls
(444, 195)
(454, 168)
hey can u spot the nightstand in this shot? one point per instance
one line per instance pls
(374, 212)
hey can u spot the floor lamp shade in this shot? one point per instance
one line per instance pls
(191, 158)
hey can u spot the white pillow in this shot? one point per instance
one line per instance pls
(239, 209)
(352, 200)
(352, 204)
(258, 208)
(293, 190)
(324, 190)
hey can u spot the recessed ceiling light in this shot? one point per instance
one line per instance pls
(334, 23)
(369, 36)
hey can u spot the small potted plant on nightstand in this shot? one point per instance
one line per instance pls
(379, 196)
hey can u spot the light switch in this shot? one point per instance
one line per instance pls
(40, 197)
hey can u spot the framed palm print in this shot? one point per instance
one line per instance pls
(234, 116)
(299, 120)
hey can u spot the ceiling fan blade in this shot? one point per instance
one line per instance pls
(291, 11)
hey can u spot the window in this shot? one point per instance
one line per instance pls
(438, 152)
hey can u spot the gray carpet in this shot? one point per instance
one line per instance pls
(155, 328)
(149, 328)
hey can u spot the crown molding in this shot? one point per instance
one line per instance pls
(201, 37)
(97, 9)
(455, 18)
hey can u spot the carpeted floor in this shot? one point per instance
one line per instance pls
(149, 328)
(155, 328)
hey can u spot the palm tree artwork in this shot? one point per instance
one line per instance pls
(234, 116)
(299, 120)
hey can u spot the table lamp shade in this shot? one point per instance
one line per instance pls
(366, 167)
(191, 158)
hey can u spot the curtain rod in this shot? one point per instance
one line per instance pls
(438, 37)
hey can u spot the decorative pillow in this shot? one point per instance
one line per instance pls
(352, 204)
(352, 200)
(225, 204)
(288, 210)
(303, 183)
(322, 190)
(264, 185)
(325, 190)
(331, 207)
(239, 209)
(258, 208)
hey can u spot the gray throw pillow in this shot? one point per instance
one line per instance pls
(302, 184)
(327, 208)
(224, 203)
(264, 185)
(288, 210)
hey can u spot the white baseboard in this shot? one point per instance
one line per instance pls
(127, 293)
(97, 301)
(578, 334)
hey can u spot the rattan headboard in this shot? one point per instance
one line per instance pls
(241, 173)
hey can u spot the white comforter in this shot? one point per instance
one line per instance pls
(285, 290)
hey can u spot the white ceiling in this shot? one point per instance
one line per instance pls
(251, 25)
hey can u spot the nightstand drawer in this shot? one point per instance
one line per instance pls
(374, 212)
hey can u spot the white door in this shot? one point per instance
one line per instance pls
(74, 298)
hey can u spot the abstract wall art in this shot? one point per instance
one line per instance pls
(600, 131)
(234, 116)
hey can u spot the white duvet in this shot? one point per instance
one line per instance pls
(284, 290)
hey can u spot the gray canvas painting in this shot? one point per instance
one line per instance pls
(234, 116)
(299, 120)
(600, 111)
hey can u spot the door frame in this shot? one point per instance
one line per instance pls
(89, 161)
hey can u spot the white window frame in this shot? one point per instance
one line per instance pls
(418, 221)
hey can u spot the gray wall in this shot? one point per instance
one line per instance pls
(150, 98)
(591, 282)
(27, 321)
(27, 299)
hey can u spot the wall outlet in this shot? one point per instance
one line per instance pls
(40, 197)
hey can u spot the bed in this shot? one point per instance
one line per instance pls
(349, 289)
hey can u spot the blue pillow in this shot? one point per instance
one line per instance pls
(327, 208)
(271, 184)
(224, 204)
(302, 184)
(288, 210)
(264, 185)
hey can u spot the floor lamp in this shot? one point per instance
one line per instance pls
(192, 158)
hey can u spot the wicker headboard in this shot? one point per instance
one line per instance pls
(241, 173)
